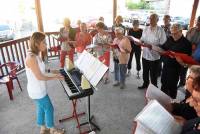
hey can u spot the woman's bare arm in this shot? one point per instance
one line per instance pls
(32, 63)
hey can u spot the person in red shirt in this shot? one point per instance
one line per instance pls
(83, 38)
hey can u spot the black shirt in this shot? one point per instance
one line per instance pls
(184, 110)
(136, 34)
(182, 46)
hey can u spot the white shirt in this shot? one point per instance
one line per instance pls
(36, 88)
(64, 45)
(155, 36)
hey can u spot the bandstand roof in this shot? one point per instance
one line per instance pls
(40, 22)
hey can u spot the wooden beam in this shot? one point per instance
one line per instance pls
(40, 24)
(39, 15)
(114, 10)
(194, 10)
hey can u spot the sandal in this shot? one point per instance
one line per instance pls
(45, 131)
(57, 131)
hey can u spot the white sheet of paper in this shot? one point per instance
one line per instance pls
(91, 67)
(155, 117)
(89, 71)
(84, 63)
(142, 129)
(154, 93)
(80, 59)
(101, 70)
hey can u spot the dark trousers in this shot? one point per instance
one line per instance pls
(150, 67)
(169, 80)
(137, 52)
(182, 76)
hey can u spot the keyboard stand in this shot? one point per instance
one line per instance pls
(89, 122)
(74, 115)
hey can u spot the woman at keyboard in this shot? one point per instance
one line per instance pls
(36, 86)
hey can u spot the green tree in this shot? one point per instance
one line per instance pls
(141, 5)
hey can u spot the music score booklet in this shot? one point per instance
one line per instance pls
(157, 119)
(91, 67)
(155, 93)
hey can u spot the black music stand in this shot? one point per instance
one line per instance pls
(89, 122)
(76, 115)
(85, 63)
(87, 60)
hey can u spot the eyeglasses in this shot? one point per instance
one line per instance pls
(175, 33)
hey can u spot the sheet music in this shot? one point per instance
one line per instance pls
(98, 74)
(155, 93)
(83, 65)
(91, 67)
(94, 68)
(80, 59)
(155, 117)
(142, 129)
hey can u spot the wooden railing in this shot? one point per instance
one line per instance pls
(16, 50)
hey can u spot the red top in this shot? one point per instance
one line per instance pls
(82, 40)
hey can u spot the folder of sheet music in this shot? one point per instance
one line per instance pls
(91, 68)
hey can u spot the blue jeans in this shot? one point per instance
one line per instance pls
(120, 72)
(45, 112)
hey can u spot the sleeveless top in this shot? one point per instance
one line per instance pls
(36, 88)
(102, 39)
